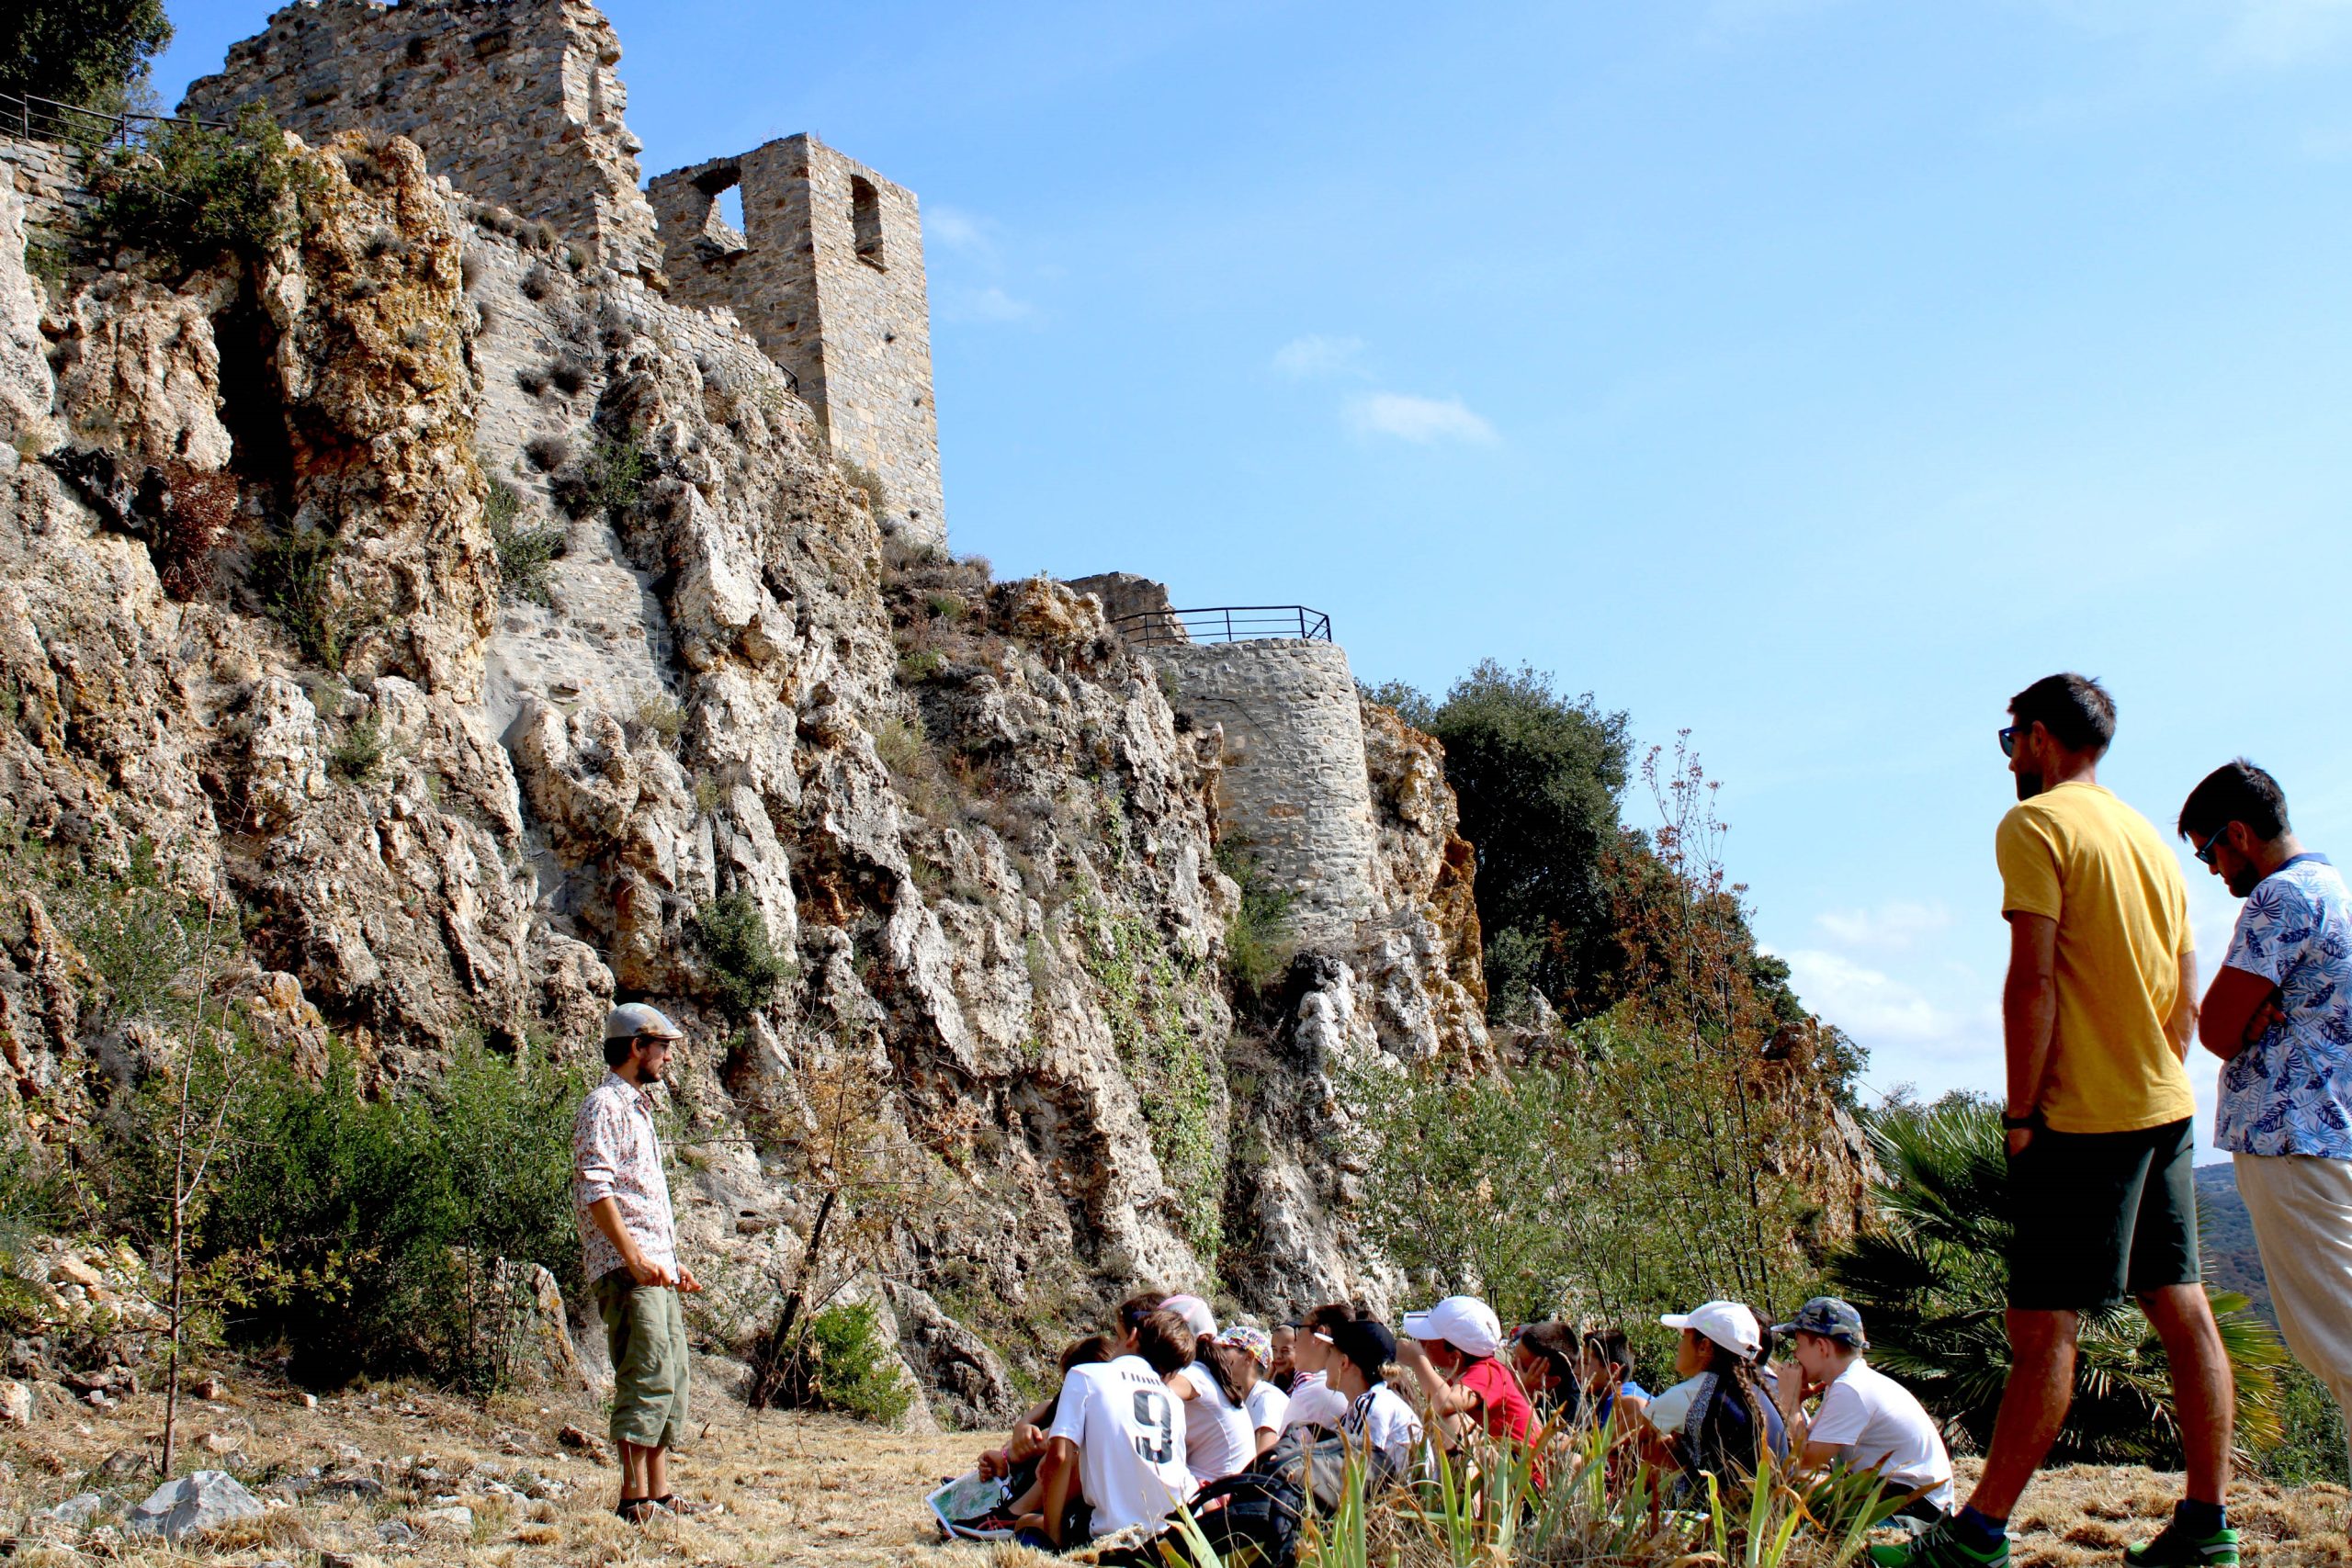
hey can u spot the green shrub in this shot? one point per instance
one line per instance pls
(947, 606)
(2311, 1443)
(617, 475)
(661, 719)
(359, 1231)
(745, 969)
(853, 1369)
(901, 745)
(866, 482)
(148, 944)
(196, 192)
(294, 574)
(360, 753)
(524, 554)
(1259, 943)
(923, 664)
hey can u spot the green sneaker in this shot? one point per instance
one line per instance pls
(2175, 1548)
(1938, 1547)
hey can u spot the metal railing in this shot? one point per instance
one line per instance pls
(46, 119)
(1226, 623)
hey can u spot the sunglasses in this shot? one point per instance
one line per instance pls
(2009, 734)
(2212, 845)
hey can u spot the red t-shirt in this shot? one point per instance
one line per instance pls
(1503, 1409)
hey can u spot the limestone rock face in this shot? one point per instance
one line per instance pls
(25, 382)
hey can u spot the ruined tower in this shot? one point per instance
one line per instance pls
(827, 273)
(519, 104)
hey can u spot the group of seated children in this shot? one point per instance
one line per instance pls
(1110, 1449)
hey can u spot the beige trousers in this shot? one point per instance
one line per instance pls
(2302, 1210)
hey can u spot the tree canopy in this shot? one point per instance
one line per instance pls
(90, 52)
(1540, 777)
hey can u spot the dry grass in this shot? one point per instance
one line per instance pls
(2087, 1513)
(788, 1488)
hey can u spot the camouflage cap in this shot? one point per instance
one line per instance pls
(1830, 1317)
(632, 1019)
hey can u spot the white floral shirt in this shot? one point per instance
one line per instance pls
(2291, 1091)
(616, 1153)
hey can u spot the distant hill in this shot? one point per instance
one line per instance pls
(2226, 1238)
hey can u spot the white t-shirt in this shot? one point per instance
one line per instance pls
(1314, 1403)
(1386, 1425)
(1217, 1438)
(1130, 1441)
(1877, 1424)
(1268, 1406)
(1668, 1410)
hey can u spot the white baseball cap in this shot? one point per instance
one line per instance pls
(1729, 1323)
(1194, 1311)
(1466, 1323)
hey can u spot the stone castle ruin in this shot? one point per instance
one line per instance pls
(518, 103)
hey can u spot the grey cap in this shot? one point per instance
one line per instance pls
(1830, 1317)
(632, 1019)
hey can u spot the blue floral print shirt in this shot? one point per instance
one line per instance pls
(2290, 1092)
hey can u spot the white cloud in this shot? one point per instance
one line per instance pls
(1305, 358)
(990, 304)
(1895, 926)
(2288, 32)
(1423, 421)
(956, 230)
(1874, 1006)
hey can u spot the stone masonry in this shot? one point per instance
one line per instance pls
(517, 101)
(1295, 793)
(828, 273)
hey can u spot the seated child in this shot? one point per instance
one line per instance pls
(1215, 1388)
(1265, 1403)
(1450, 1349)
(1115, 1454)
(1313, 1403)
(1717, 1420)
(1028, 1438)
(1377, 1416)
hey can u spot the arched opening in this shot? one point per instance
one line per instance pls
(865, 222)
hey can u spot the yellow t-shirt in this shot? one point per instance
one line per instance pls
(2099, 869)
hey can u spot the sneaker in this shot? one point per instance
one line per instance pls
(2175, 1548)
(1939, 1547)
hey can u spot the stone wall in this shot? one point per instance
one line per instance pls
(1295, 793)
(517, 101)
(827, 273)
(47, 179)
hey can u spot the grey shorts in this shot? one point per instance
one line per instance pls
(645, 1327)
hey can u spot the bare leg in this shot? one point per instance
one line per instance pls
(2033, 1407)
(2203, 1393)
(657, 1473)
(633, 1472)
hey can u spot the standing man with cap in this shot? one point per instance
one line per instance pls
(629, 1242)
(1450, 1349)
(1867, 1421)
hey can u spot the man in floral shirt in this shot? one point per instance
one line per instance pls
(2280, 1016)
(630, 1244)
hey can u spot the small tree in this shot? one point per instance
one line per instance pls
(869, 1182)
(92, 54)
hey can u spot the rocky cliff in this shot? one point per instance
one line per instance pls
(252, 615)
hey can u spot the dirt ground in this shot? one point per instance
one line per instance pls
(779, 1487)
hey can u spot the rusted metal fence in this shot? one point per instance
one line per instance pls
(46, 119)
(1226, 623)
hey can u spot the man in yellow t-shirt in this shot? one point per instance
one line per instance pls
(2096, 1015)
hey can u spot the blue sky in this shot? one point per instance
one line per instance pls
(1810, 375)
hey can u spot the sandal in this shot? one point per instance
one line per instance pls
(636, 1510)
(670, 1501)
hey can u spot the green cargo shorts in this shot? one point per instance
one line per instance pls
(2099, 1216)
(645, 1325)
